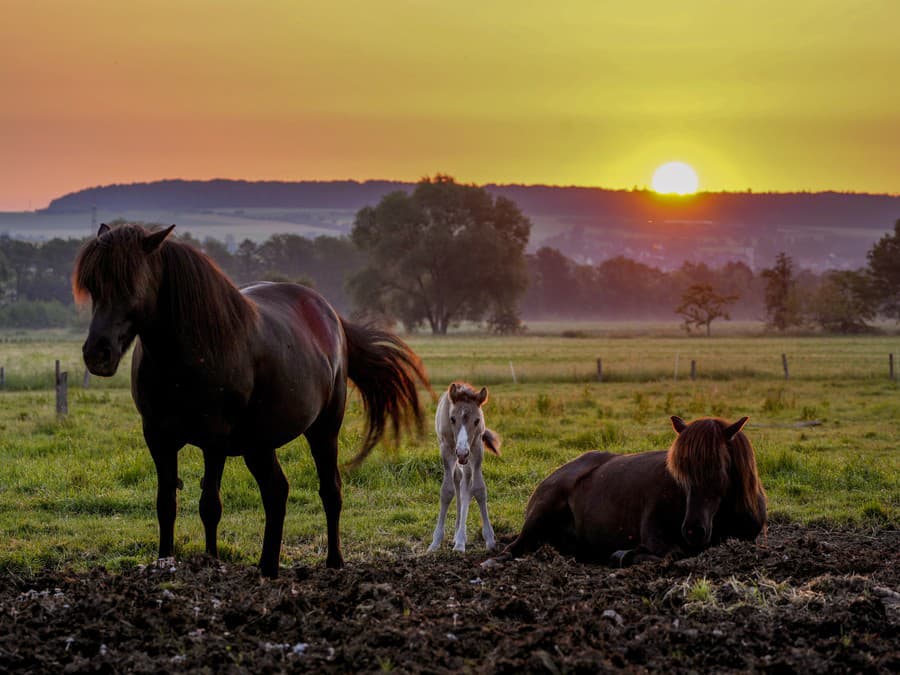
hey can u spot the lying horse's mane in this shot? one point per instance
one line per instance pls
(701, 455)
(205, 308)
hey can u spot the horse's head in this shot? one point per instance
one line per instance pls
(466, 418)
(115, 270)
(711, 460)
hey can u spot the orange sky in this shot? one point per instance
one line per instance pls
(762, 95)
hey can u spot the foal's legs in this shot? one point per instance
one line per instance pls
(165, 457)
(447, 492)
(479, 492)
(463, 497)
(210, 501)
(273, 487)
(324, 446)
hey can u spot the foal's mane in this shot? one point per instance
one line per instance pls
(700, 455)
(465, 392)
(201, 305)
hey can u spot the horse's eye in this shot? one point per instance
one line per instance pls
(476, 422)
(452, 420)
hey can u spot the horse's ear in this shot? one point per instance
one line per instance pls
(678, 424)
(731, 431)
(454, 392)
(153, 240)
(482, 396)
(104, 228)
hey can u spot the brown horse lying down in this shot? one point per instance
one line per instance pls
(631, 508)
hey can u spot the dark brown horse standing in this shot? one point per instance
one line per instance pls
(631, 508)
(235, 372)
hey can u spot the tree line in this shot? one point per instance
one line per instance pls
(445, 252)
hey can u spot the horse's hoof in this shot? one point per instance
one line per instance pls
(434, 547)
(334, 564)
(622, 558)
(459, 547)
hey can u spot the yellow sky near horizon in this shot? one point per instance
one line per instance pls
(762, 95)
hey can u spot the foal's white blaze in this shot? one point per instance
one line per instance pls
(462, 445)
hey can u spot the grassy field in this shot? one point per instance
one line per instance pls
(81, 490)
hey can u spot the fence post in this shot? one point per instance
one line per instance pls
(693, 370)
(675, 376)
(513, 373)
(599, 370)
(785, 366)
(62, 391)
(890, 365)
(87, 379)
(2, 378)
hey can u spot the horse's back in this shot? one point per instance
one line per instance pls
(611, 503)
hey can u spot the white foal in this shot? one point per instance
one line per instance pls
(459, 423)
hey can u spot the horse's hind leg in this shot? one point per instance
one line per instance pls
(324, 446)
(546, 520)
(273, 487)
(479, 491)
(210, 501)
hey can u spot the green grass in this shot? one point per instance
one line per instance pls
(81, 490)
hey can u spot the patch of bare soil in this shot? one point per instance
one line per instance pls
(807, 600)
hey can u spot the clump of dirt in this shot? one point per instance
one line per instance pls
(806, 600)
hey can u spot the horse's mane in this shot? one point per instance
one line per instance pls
(700, 455)
(206, 310)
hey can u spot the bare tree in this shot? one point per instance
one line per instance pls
(701, 305)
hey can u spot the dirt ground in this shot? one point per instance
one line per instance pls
(806, 600)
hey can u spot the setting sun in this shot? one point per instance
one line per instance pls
(675, 178)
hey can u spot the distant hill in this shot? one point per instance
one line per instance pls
(822, 230)
(819, 209)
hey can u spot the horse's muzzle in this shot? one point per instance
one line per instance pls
(462, 456)
(101, 356)
(696, 535)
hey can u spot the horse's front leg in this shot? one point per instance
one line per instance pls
(479, 492)
(210, 500)
(165, 458)
(273, 487)
(463, 497)
(447, 492)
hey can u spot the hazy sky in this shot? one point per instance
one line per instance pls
(765, 95)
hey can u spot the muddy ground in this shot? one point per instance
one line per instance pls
(807, 600)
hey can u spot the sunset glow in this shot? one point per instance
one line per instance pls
(96, 92)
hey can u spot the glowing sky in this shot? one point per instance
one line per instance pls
(762, 95)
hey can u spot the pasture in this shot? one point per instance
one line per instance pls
(78, 492)
(81, 489)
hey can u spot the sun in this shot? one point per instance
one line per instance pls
(675, 178)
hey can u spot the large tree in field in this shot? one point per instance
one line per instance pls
(701, 305)
(445, 253)
(884, 272)
(782, 306)
(844, 303)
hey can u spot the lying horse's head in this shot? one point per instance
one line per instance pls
(713, 462)
(114, 269)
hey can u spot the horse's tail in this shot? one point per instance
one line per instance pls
(386, 371)
(491, 441)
